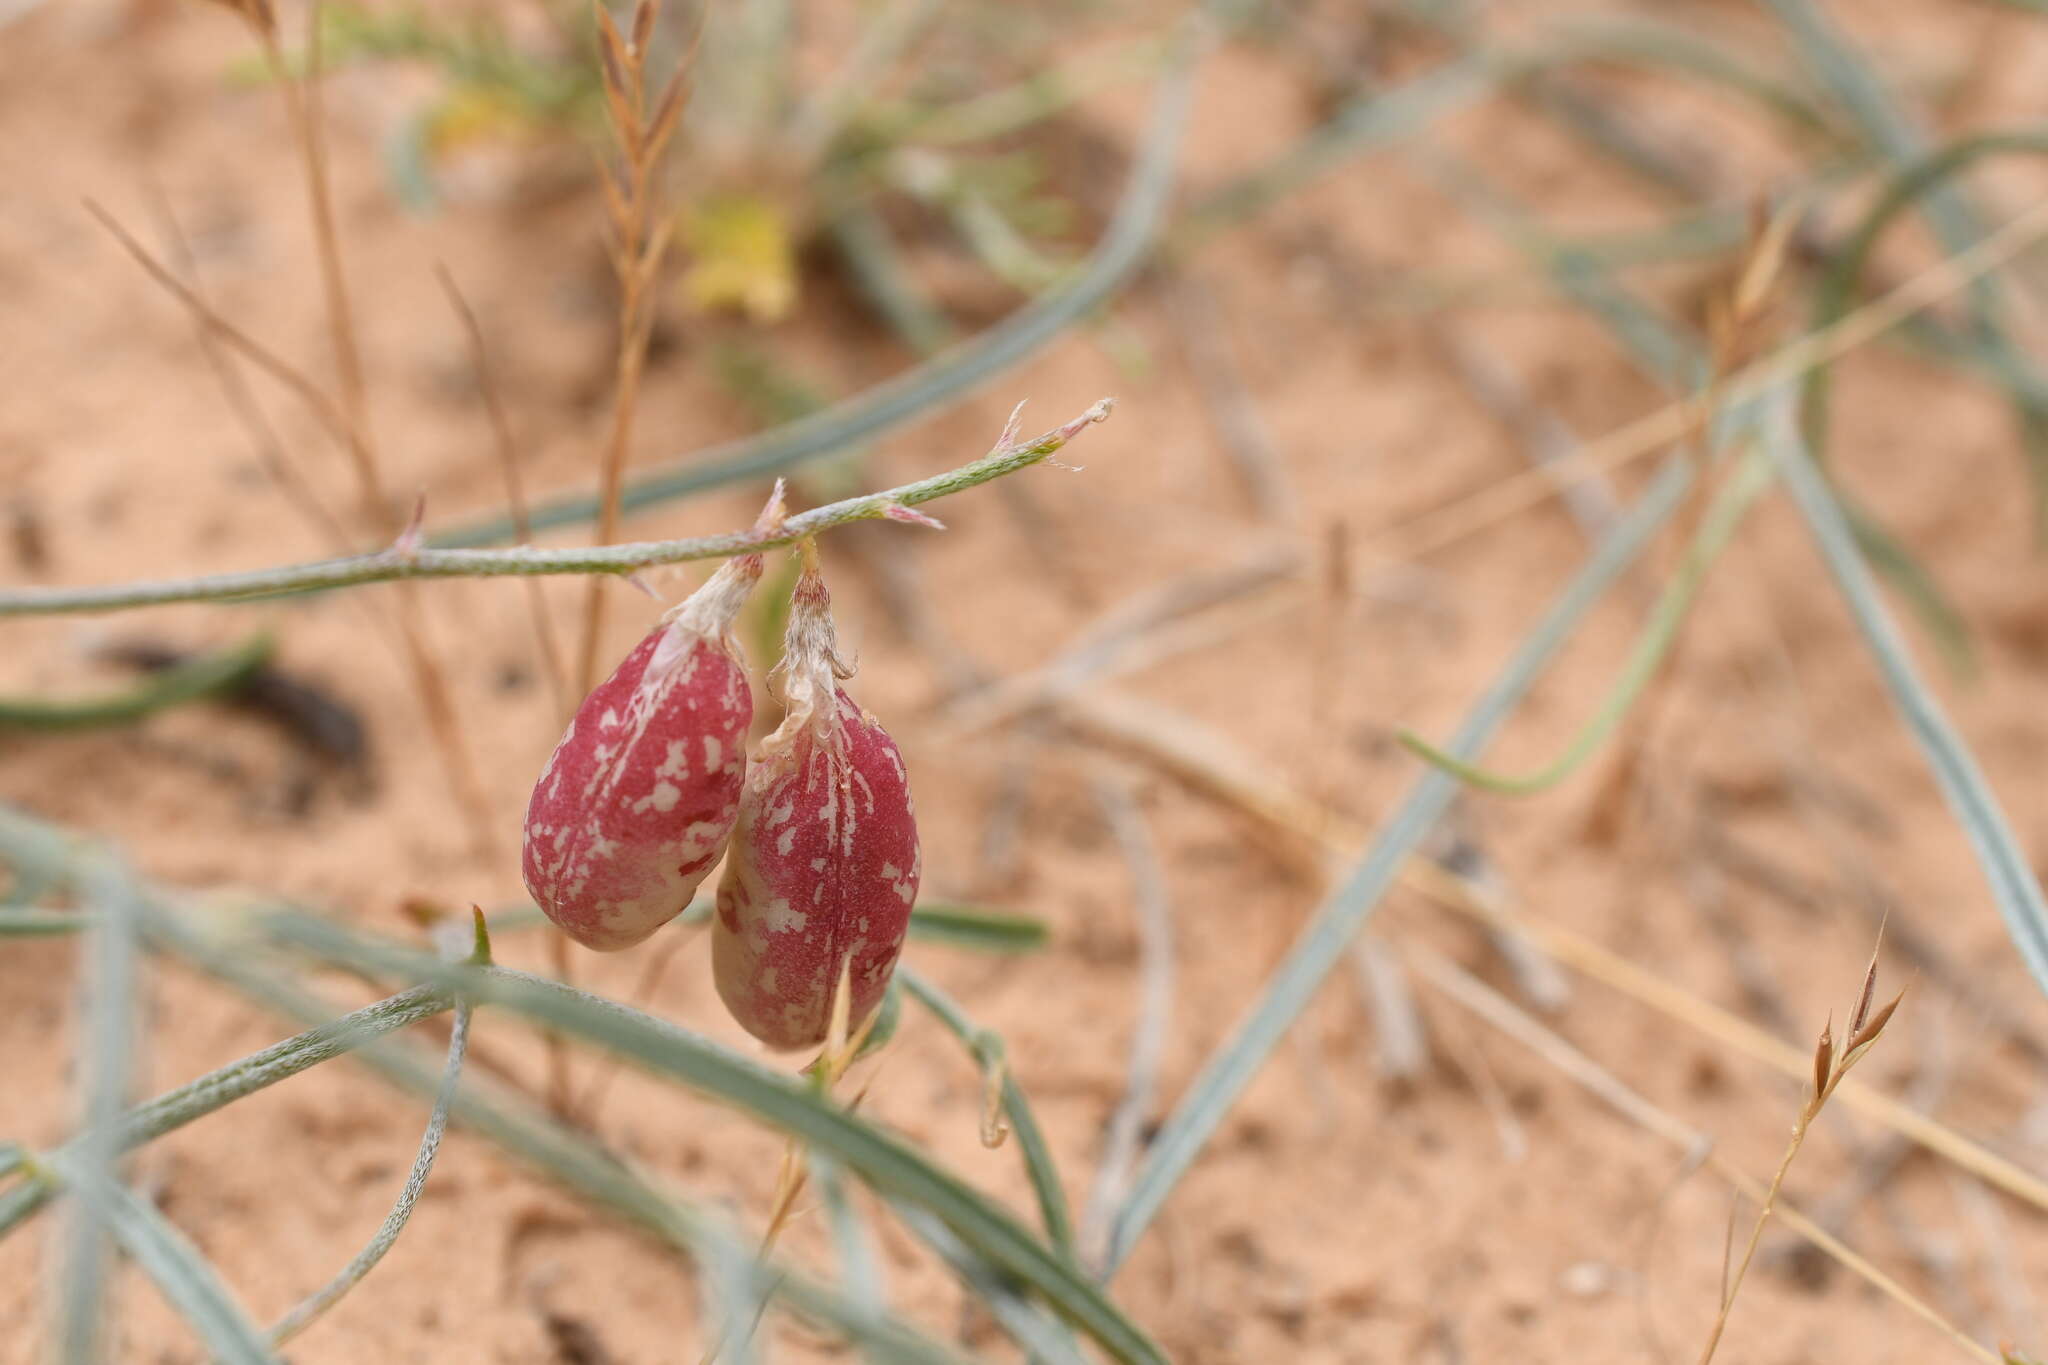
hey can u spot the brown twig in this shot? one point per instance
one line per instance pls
(1488, 1004)
(639, 239)
(507, 450)
(303, 111)
(1830, 1064)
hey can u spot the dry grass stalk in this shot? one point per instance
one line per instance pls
(507, 450)
(1740, 317)
(349, 418)
(1830, 1065)
(1656, 430)
(638, 239)
(1503, 1014)
(269, 447)
(1247, 786)
(303, 111)
(1741, 1036)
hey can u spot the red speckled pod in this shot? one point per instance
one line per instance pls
(824, 863)
(638, 801)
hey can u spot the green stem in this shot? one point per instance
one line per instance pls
(1748, 482)
(407, 562)
(324, 1298)
(199, 676)
(987, 1049)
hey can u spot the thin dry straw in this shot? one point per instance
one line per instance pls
(1502, 1013)
(953, 374)
(1837, 287)
(1233, 1065)
(2013, 887)
(1654, 430)
(1887, 126)
(1749, 480)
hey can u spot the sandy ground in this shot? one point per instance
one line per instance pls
(1488, 1209)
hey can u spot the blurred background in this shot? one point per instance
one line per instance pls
(1404, 304)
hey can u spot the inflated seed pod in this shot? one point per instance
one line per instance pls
(824, 862)
(639, 798)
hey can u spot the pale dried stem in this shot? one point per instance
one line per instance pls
(637, 248)
(507, 449)
(1259, 793)
(1657, 430)
(291, 480)
(1502, 1013)
(304, 112)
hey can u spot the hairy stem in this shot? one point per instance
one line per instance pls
(401, 562)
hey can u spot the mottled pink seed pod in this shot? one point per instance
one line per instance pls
(640, 796)
(824, 864)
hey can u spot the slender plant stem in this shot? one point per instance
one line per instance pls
(324, 1298)
(1125, 246)
(198, 676)
(1239, 1058)
(1744, 487)
(987, 1048)
(1756, 1232)
(238, 1079)
(402, 563)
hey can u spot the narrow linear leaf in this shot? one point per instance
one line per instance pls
(950, 375)
(110, 986)
(1238, 1059)
(987, 1050)
(561, 1154)
(1046, 1341)
(1733, 502)
(860, 1269)
(983, 931)
(2013, 886)
(324, 1298)
(1938, 614)
(197, 677)
(786, 1103)
(1969, 797)
(1836, 290)
(184, 1276)
(42, 923)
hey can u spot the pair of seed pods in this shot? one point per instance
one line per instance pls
(652, 782)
